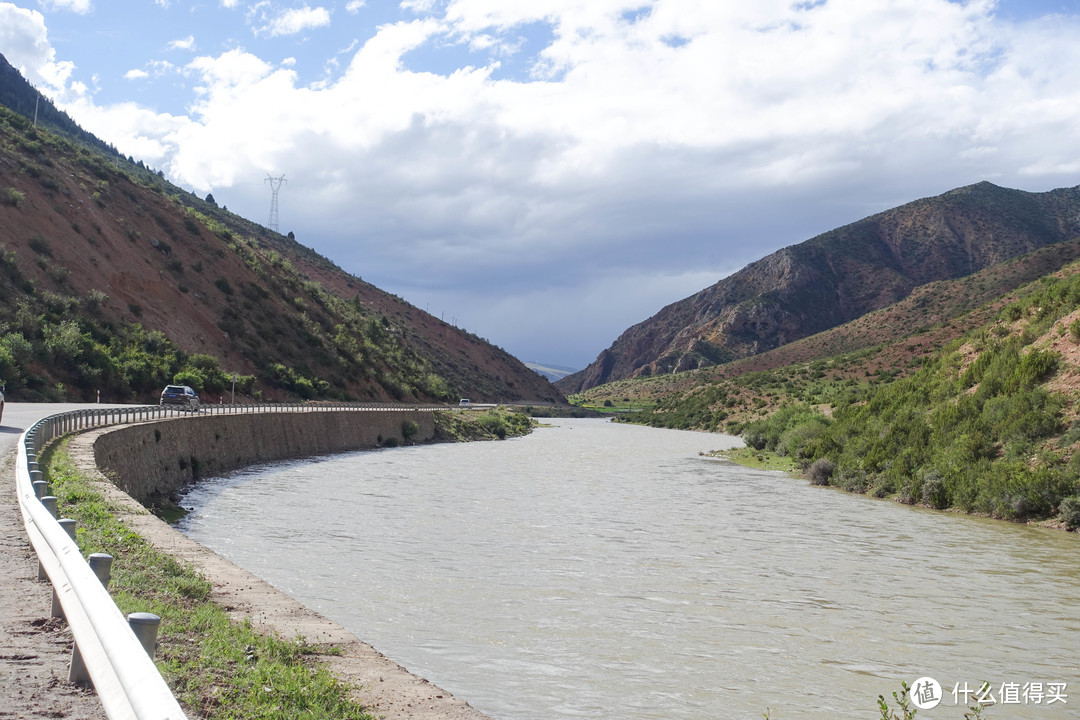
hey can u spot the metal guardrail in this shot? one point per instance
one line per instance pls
(115, 660)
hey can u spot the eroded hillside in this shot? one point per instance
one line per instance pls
(111, 279)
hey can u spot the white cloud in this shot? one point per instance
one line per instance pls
(24, 42)
(81, 7)
(294, 21)
(154, 68)
(695, 135)
(354, 6)
(418, 6)
(136, 131)
(187, 43)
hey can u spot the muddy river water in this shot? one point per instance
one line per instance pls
(595, 570)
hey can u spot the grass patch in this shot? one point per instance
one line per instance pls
(216, 667)
(757, 459)
(495, 424)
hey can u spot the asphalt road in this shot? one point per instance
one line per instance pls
(19, 416)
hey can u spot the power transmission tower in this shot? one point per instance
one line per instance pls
(275, 185)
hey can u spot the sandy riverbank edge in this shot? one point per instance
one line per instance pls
(388, 689)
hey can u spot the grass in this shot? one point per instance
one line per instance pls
(757, 459)
(495, 424)
(216, 667)
(618, 408)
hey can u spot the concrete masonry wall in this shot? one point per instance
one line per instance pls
(152, 461)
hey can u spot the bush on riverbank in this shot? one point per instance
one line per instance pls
(216, 667)
(969, 438)
(975, 438)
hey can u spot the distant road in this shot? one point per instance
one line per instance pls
(23, 415)
(19, 416)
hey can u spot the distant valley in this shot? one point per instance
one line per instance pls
(551, 372)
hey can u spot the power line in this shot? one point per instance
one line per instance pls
(275, 185)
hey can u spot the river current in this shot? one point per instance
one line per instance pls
(596, 570)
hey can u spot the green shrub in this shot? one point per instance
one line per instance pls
(64, 340)
(933, 491)
(40, 245)
(190, 377)
(821, 470)
(1070, 511)
(12, 197)
(95, 299)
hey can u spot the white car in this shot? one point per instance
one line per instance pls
(464, 402)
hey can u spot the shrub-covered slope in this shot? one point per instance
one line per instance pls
(989, 423)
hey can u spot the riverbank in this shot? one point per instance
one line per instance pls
(152, 462)
(767, 460)
(376, 682)
(756, 459)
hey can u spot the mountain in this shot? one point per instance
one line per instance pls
(978, 415)
(837, 277)
(114, 281)
(551, 372)
(874, 349)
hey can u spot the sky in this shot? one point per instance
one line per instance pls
(546, 174)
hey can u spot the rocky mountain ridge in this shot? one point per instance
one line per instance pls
(837, 277)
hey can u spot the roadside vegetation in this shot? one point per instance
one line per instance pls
(56, 347)
(216, 667)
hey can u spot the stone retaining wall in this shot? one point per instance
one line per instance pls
(152, 461)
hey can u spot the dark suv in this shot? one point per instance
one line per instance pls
(180, 395)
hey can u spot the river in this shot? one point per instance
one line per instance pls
(596, 570)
